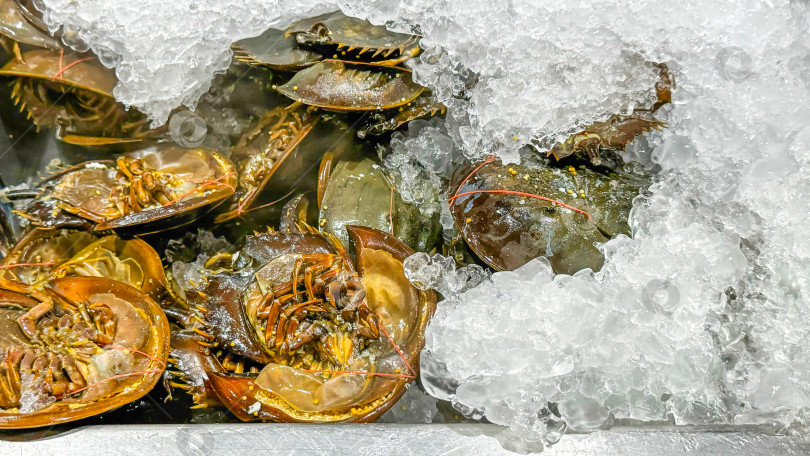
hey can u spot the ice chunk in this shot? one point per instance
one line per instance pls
(191, 244)
(32, 394)
(420, 163)
(188, 254)
(414, 407)
(439, 273)
(189, 275)
(255, 407)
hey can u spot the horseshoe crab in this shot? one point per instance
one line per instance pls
(73, 93)
(509, 215)
(88, 346)
(15, 29)
(613, 134)
(618, 131)
(364, 72)
(42, 255)
(307, 41)
(142, 192)
(422, 107)
(279, 155)
(336, 85)
(335, 33)
(275, 51)
(293, 329)
(357, 192)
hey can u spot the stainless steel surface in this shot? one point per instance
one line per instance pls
(391, 439)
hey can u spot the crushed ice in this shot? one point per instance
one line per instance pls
(701, 317)
(188, 255)
(420, 164)
(33, 397)
(439, 273)
(414, 407)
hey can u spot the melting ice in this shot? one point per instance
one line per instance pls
(701, 317)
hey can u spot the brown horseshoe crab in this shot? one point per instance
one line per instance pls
(42, 255)
(422, 107)
(91, 345)
(141, 192)
(73, 93)
(618, 131)
(293, 329)
(274, 51)
(280, 153)
(335, 33)
(337, 85)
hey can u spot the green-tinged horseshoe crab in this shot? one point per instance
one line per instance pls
(15, 29)
(273, 50)
(337, 85)
(510, 214)
(89, 345)
(292, 328)
(355, 39)
(280, 153)
(42, 255)
(73, 93)
(619, 130)
(306, 42)
(141, 192)
(359, 193)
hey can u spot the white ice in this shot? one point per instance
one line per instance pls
(439, 273)
(420, 163)
(414, 407)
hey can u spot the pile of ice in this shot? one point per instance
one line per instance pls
(165, 54)
(702, 316)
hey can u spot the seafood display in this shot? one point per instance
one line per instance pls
(299, 309)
